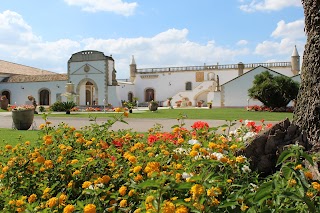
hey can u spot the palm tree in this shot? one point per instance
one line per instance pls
(307, 112)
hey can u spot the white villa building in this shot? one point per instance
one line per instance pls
(91, 77)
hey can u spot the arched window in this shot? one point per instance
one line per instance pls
(188, 86)
(7, 94)
(130, 96)
(149, 95)
(44, 97)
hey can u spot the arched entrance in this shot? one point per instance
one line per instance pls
(90, 94)
(7, 94)
(87, 92)
(44, 97)
(149, 95)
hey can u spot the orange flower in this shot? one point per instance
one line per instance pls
(90, 208)
(68, 209)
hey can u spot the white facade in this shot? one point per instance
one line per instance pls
(94, 78)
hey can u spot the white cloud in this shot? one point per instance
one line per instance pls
(269, 5)
(290, 34)
(116, 6)
(293, 30)
(242, 42)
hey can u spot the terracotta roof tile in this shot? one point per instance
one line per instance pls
(36, 78)
(13, 68)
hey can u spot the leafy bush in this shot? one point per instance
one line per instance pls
(68, 105)
(273, 91)
(196, 170)
(57, 107)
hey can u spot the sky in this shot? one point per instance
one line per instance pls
(158, 33)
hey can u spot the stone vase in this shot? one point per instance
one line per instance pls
(22, 119)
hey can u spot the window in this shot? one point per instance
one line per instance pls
(188, 86)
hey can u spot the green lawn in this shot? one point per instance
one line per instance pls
(194, 113)
(13, 137)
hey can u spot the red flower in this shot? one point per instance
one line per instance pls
(117, 143)
(152, 139)
(200, 125)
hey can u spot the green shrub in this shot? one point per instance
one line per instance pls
(57, 107)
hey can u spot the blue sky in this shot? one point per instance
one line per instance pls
(44, 34)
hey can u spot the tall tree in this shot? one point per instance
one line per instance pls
(307, 113)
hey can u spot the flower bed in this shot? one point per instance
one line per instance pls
(186, 170)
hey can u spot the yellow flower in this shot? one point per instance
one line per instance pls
(68, 209)
(215, 202)
(292, 182)
(152, 167)
(309, 194)
(137, 169)
(240, 159)
(117, 109)
(74, 161)
(48, 164)
(244, 207)
(229, 181)
(308, 175)
(106, 179)
(316, 186)
(196, 190)
(138, 178)
(77, 172)
(86, 184)
(70, 184)
(27, 143)
(123, 203)
(32, 198)
(168, 207)
(233, 146)
(19, 203)
(46, 192)
(132, 159)
(196, 146)
(298, 167)
(122, 190)
(193, 153)
(62, 198)
(181, 209)
(42, 126)
(126, 114)
(149, 199)
(8, 147)
(137, 210)
(90, 208)
(131, 192)
(52, 202)
(12, 202)
(5, 169)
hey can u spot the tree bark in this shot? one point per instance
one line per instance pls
(307, 112)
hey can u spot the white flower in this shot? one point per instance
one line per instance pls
(254, 187)
(246, 169)
(218, 155)
(193, 142)
(180, 151)
(186, 175)
(248, 135)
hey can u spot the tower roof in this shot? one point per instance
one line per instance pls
(295, 51)
(133, 61)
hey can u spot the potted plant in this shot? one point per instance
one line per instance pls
(178, 103)
(22, 116)
(153, 105)
(199, 103)
(209, 104)
(34, 103)
(4, 102)
(68, 105)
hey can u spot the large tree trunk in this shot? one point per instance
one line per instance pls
(307, 113)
